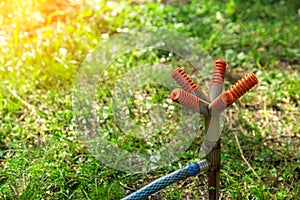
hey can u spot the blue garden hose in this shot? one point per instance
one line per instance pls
(187, 171)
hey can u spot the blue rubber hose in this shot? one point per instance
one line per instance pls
(187, 171)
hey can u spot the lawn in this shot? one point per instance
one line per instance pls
(43, 45)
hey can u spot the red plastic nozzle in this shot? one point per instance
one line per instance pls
(193, 102)
(221, 102)
(218, 73)
(184, 98)
(243, 85)
(235, 92)
(184, 80)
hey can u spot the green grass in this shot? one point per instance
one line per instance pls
(41, 155)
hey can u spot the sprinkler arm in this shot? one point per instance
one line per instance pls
(186, 99)
(187, 84)
(235, 92)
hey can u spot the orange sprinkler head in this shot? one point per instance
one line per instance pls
(184, 98)
(235, 92)
(218, 73)
(217, 79)
(187, 84)
(221, 102)
(243, 85)
(184, 80)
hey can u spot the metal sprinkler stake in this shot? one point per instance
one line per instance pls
(212, 128)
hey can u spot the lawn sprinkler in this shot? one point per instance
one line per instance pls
(211, 107)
